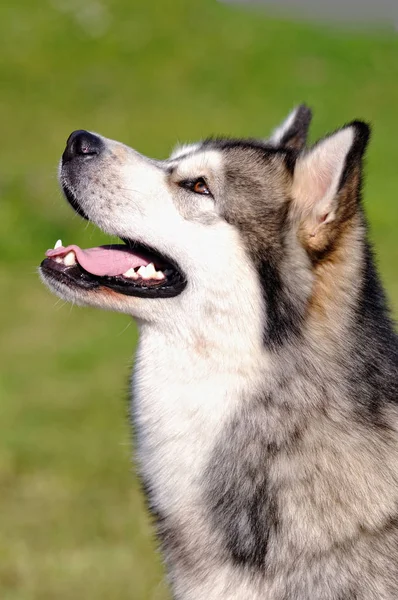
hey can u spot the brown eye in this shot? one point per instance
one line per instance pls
(200, 187)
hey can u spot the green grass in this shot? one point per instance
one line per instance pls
(72, 520)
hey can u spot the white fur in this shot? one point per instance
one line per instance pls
(183, 149)
(204, 162)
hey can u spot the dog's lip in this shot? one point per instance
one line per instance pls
(76, 278)
(73, 201)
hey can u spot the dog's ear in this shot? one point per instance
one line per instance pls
(292, 133)
(326, 183)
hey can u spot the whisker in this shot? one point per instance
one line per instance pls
(125, 329)
(64, 302)
(132, 190)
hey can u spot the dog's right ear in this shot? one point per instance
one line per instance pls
(292, 133)
(326, 185)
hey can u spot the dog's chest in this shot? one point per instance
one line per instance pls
(181, 403)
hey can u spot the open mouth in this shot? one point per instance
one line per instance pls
(129, 268)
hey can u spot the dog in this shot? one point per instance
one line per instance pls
(265, 384)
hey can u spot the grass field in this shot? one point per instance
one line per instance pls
(72, 521)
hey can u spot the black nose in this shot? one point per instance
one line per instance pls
(82, 143)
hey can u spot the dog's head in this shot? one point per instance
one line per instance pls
(221, 222)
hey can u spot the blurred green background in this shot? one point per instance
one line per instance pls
(72, 519)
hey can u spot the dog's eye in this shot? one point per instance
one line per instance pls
(198, 186)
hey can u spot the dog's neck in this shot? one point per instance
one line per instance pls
(193, 383)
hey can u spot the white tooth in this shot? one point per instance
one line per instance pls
(147, 272)
(58, 244)
(142, 272)
(130, 273)
(150, 270)
(58, 259)
(70, 259)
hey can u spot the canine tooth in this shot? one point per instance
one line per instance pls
(142, 272)
(150, 270)
(130, 273)
(58, 244)
(159, 275)
(70, 259)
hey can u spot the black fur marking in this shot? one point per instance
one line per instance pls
(296, 136)
(354, 156)
(349, 595)
(373, 371)
(73, 201)
(242, 505)
(170, 170)
(263, 148)
(283, 315)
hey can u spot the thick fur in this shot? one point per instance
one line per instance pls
(265, 394)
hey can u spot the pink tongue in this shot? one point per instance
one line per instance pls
(103, 260)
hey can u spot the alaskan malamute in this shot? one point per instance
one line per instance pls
(265, 385)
